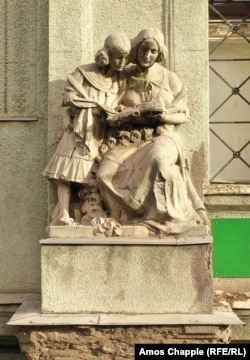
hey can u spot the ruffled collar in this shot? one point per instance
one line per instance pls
(97, 77)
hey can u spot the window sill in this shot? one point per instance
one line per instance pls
(226, 189)
(18, 119)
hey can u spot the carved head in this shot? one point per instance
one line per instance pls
(111, 142)
(103, 148)
(124, 137)
(94, 199)
(115, 52)
(83, 194)
(147, 133)
(135, 136)
(149, 34)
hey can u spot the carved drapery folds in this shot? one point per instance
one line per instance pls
(120, 160)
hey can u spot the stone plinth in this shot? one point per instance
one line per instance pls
(88, 343)
(83, 231)
(88, 336)
(121, 275)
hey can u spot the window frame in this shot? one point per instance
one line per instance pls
(218, 29)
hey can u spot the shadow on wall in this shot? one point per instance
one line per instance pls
(196, 169)
(54, 132)
(55, 111)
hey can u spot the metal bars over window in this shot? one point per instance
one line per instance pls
(229, 123)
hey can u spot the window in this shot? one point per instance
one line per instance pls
(229, 34)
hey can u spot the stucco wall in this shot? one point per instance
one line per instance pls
(76, 30)
(23, 144)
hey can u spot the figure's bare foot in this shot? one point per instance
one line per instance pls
(67, 220)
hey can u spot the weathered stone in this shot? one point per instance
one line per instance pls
(119, 160)
(138, 278)
(109, 342)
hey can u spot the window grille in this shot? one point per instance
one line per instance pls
(229, 120)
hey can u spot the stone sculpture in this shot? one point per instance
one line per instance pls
(139, 172)
(90, 93)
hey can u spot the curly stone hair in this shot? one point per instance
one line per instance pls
(118, 41)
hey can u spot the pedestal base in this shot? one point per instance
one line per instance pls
(88, 336)
(120, 275)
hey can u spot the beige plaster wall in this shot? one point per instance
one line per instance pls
(23, 145)
(76, 30)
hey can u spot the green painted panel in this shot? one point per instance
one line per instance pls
(231, 247)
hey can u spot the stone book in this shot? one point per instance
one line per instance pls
(133, 115)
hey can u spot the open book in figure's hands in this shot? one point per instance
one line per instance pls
(141, 114)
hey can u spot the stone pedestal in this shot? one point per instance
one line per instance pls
(126, 275)
(105, 336)
(101, 296)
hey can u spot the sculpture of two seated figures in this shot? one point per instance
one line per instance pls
(120, 160)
